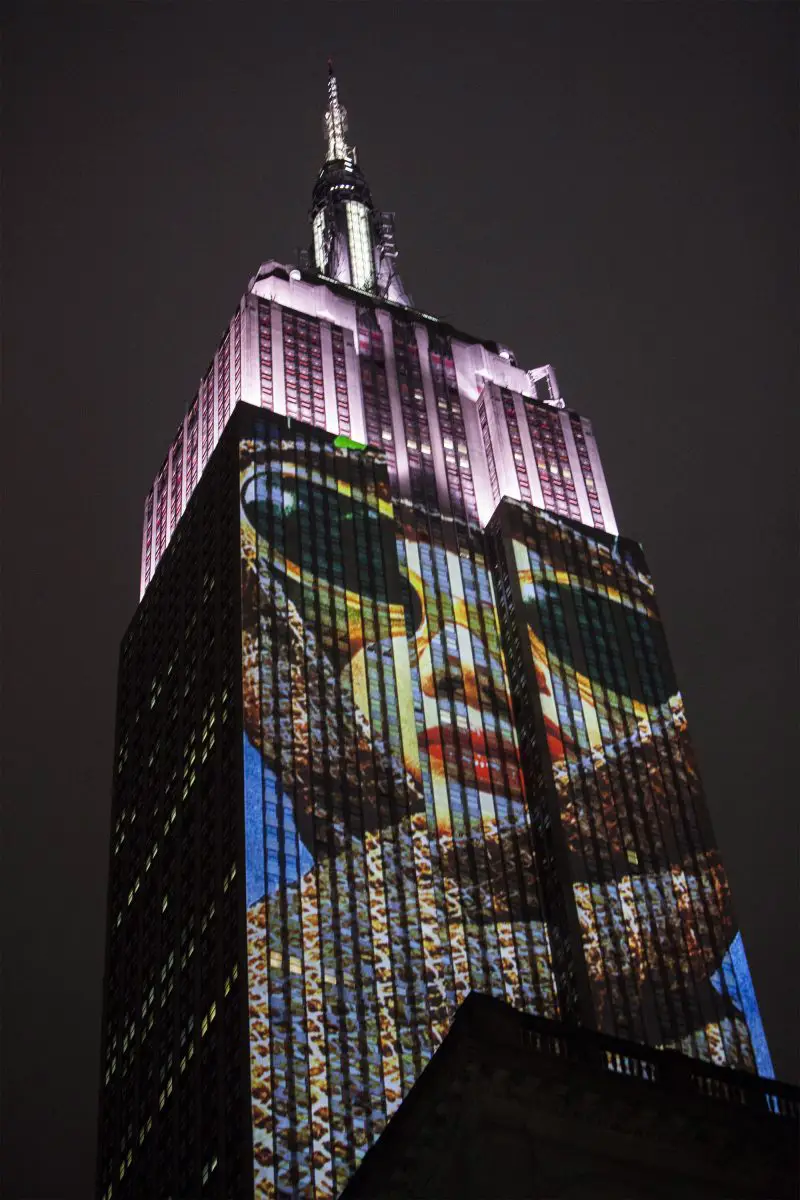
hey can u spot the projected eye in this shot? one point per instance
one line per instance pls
(262, 496)
(280, 511)
(604, 626)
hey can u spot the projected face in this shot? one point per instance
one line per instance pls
(326, 659)
(389, 860)
(445, 657)
(351, 643)
(282, 548)
(282, 500)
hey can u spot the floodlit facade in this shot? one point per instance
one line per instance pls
(396, 722)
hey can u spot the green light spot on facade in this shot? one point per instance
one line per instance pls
(343, 442)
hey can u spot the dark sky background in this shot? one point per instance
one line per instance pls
(610, 189)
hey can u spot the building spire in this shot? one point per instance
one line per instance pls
(336, 122)
(352, 242)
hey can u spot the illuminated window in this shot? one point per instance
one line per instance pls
(319, 240)
(361, 265)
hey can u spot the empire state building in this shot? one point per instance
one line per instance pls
(396, 722)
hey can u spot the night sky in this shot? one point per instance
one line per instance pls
(610, 189)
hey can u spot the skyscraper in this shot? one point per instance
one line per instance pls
(396, 721)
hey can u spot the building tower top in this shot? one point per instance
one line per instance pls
(352, 243)
(336, 123)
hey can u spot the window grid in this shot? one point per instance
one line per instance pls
(586, 470)
(148, 536)
(207, 442)
(162, 486)
(265, 352)
(487, 444)
(419, 449)
(176, 481)
(374, 389)
(516, 444)
(237, 357)
(161, 1101)
(191, 449)
(453, 435)
(552, 460)
(340, 379)
(224, 382)
(302, 358)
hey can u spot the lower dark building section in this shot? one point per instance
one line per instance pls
(522, 1107)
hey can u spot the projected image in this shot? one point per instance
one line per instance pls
(664, 958)
(335, 921)
(389, 859)
(469, 765)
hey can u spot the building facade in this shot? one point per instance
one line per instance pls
(396, 722)
(639, 911)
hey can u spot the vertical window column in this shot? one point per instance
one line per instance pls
(224, 384)
(586, 471)
(552, 461)
(207, 415)
(516, 444)
(147, 540)
(453, 441)
(176, 480)
(340, 379)
(374, 387)
(191, 448)
(487, 445)
(265, 353)
(162, 487)
(302, 354)
(237, 357)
